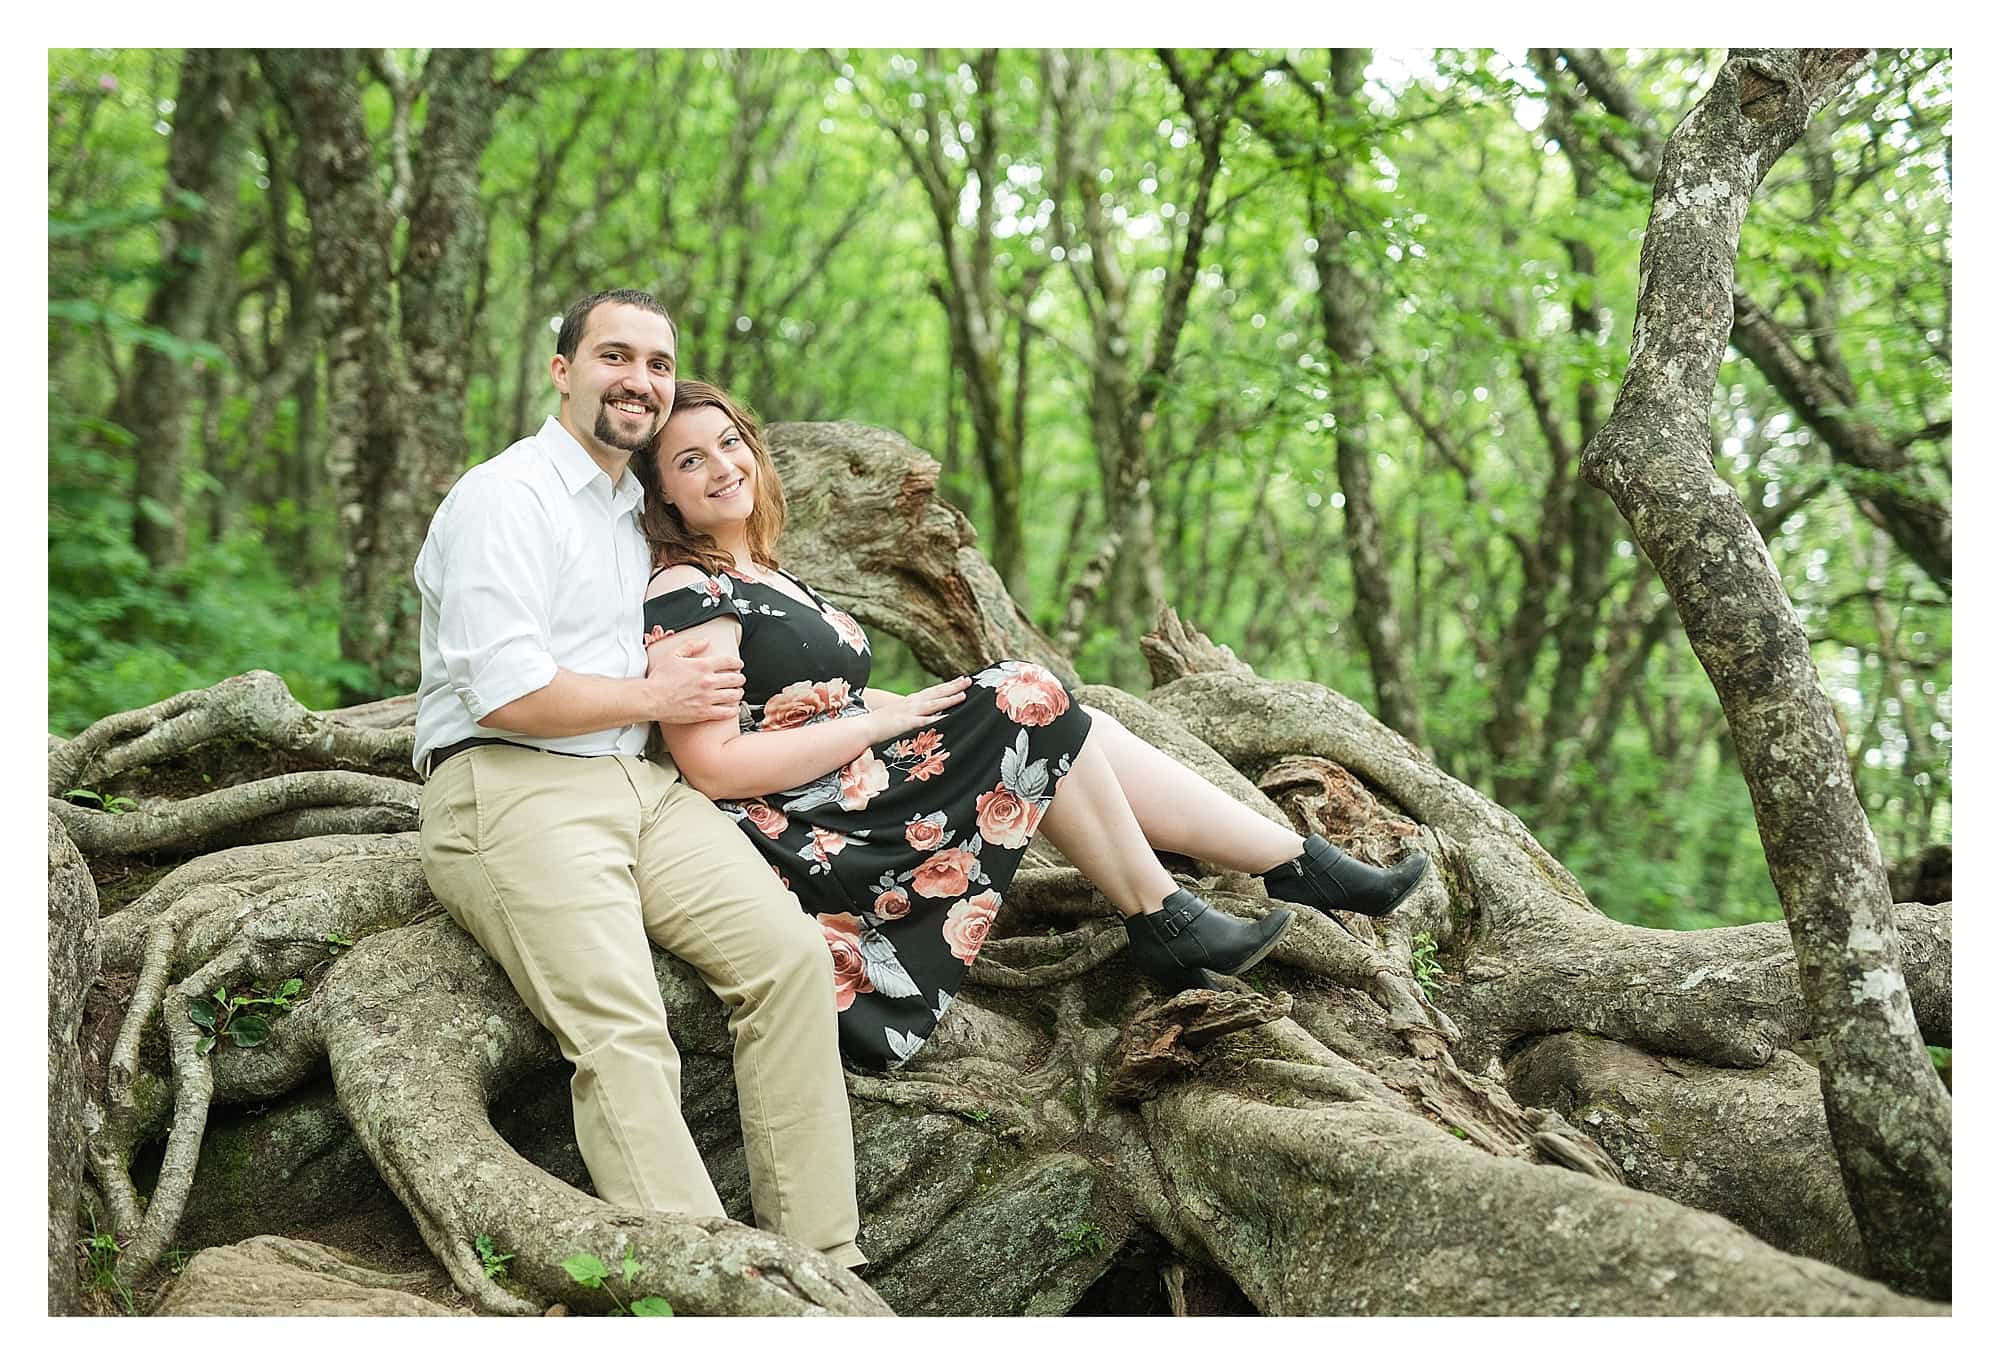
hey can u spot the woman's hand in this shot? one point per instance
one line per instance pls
(900, 714)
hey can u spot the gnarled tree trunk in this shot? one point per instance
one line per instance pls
(1890, 1114)
(1331, 1136)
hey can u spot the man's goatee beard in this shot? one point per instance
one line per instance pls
(603, 431)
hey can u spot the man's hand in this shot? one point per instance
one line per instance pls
(694, 684)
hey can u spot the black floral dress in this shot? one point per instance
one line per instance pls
(903, 854)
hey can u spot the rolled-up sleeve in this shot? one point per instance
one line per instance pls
(494, 590)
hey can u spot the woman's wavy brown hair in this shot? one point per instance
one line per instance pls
(667, 535)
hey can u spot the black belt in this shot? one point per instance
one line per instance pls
(438, 756)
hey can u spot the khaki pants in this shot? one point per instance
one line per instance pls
(562, 868)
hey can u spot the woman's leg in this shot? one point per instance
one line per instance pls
(1092, 822)
(1183, 812)
(1176, 938)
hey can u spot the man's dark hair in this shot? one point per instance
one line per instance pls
(579, 312)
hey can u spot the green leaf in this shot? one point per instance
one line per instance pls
(633, 1267)
(650, 1307)
(82, 794)
(248, 1030)
(203, 1013)
(204, 1045)
(585, 1269)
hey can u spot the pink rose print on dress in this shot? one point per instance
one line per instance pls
(893, 903)
(846, 628)
(766, 818)
(805, 702)
(967, 923)
(655, 635)
(926, 832)
(1028, 693)
(1005, 819)
(827, 842)
(862, 780)
(944, 874)
(917, 745)
(850, 973)
(921, 752)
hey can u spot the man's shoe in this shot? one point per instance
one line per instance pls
(1327, 879)
(1186, 940)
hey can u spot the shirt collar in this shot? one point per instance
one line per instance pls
(576, 468)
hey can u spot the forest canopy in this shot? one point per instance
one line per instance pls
(1305, 344)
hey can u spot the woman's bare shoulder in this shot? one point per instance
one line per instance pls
(675, 576)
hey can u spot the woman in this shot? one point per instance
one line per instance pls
(899, 821)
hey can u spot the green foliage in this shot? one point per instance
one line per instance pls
(100, 1256)
(1424, 961)
(1081, 1239)
(492, 1262)
(84, 796)
(589, 1272)
(244, 1020)
(121, 636)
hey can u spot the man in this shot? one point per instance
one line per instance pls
(562, 850)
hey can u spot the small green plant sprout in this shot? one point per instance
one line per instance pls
(85, 796)
(979, 1115)
(493, 1262)
(173, 1260)
(101, 1251)
(244, 1019)
(589, 1272)
(336, 944)
(1082, 1238)
(1424, 961)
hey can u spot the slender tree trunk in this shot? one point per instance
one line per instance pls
(365, 394)
(1347, 318)
(1889, 1115)
(395, 380)
(446, 243)
(203, 167)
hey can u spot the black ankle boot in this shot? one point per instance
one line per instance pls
(1186, 939)
(1328, 879)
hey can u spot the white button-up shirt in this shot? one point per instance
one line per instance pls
(534, 561)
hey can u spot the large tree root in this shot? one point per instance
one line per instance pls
(223, 924)
(254, 707)
(1675, 1127)
(417, 1098)
(292, 806)
(1386, 1214)
(73, 961)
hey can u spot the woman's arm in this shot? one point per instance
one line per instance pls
(723, 762)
